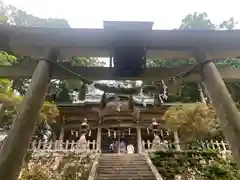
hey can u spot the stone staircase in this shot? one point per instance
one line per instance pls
(123, 167)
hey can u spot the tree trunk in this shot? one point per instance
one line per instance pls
(16, 145)
(2, 111)
(226, 110)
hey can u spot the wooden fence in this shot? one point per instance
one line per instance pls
(220, 146)
(54, 146)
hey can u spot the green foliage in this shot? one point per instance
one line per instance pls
(87, 61)
(7, 59)
(49, 112)
(63, 92)
(20, 17)
(229, 24)
(189, 93)
(197, 21)
(74, 84)
(204, 165)
(37, 172)
(3, 19)
(65, 166)
(153, 62)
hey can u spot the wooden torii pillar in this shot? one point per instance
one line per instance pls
(15, 146)
(224, 105)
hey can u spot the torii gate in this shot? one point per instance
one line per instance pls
(119, 40)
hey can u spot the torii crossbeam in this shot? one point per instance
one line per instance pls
(134, 38)
(35, 41)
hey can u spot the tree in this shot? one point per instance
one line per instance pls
(8, 97)
(197, 21)
(192, 122)
(229, 24)
(21, 18)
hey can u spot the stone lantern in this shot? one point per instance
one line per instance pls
(84, 125)
(156, 143)
(82, 142)
(154, 126)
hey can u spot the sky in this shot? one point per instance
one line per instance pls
(91, 13)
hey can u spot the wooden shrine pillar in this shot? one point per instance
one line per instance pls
(139, 134)
(16, 145)
(61, 136)
(139, 138)
(226, 110)
(99, 139)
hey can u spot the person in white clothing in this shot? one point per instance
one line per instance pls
(130, 148)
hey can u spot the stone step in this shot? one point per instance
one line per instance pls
(113, 176)
(118, 155)
(126, 178)
(115, 154)
(124, 162)
(107, 168)
(120, 160)
(121, 157)
(117, 172)
(123, 167)
(127, 166)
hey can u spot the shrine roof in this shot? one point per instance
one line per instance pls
(96, 100)
(36, 41)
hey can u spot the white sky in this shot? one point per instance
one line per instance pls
(91, 13)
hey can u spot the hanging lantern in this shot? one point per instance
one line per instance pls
(109, 133)
(114, 134)
(82, 92)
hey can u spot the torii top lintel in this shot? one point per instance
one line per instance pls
(37, 41)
